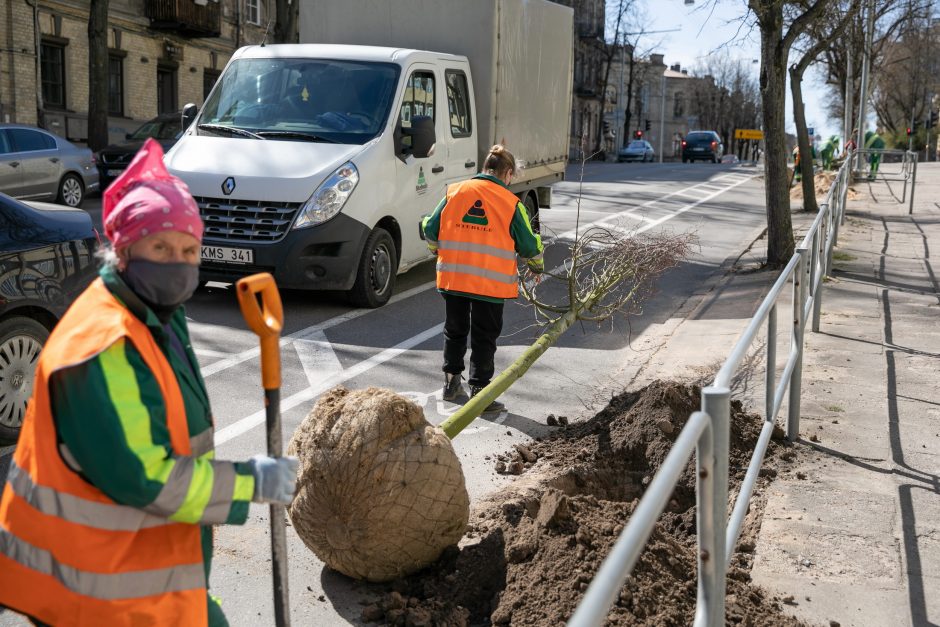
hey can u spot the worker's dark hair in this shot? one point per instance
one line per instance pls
(498, 160)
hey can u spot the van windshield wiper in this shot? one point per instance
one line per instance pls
(233, 130)
(310, 137)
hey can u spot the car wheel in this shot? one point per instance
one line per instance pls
(375, 278)
(21, 339)
(532, 208)
(71, 191)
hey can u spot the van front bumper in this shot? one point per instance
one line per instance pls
(323, 257)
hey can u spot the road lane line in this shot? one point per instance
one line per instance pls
(205, 352)
(318, 358)
(569, 234)
(308, 332)
(246, 424)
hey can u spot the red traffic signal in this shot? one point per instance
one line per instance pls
(909, 131)
(638, 134)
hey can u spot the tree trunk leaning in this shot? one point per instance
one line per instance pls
(98, 75)
(803, 141)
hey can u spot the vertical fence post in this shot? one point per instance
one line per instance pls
(816, 270)
(770, 376)
(910, 209)
(796, 342)
(706, 608)
(716, 402)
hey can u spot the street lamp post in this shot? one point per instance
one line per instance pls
(662, 115)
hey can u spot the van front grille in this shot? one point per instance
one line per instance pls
(246, 220)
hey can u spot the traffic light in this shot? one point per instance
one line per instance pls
(647, 125)
(932, 120)
(606, 127)
(909, 131)
(638, 134)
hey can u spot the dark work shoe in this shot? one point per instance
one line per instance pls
(493, 408)
(452, 387)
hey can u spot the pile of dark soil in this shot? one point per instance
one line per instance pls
(533, 548)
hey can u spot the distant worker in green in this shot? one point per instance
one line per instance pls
(829, 150)
(797, 175)
(873, 141)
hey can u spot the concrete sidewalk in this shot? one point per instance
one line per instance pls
(852, 531)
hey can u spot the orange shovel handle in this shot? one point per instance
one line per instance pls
(266, 319)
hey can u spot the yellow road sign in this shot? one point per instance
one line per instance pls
(748, 133)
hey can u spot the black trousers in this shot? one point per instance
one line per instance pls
(483, 322)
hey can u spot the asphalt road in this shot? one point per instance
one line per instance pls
(399, 346)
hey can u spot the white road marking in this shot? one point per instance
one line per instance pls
(205, 352)
(422, 399)
(686, 207)
(318, 358)
(307, 333)
(244, 425)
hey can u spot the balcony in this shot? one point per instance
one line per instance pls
(185, 17)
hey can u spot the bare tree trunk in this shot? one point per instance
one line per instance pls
(285, 22)
(803, 141)
(98, 75)
(780, 245)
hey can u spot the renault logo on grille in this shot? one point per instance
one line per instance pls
(228, 186)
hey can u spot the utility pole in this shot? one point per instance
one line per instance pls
(620, 105)
(866, 66)
(849, 94)
(662, 115)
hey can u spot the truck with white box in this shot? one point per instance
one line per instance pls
(315, 161)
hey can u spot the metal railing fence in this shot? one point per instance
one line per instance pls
(889, 166)
(708, 432)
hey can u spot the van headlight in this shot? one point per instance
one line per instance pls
(329, 198)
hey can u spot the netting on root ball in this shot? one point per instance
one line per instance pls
(381, 492)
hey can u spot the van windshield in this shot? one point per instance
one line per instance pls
(345, 102)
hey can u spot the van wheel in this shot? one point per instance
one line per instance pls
(21, 339)
(71, 191)
(532, 208)
(375, 278)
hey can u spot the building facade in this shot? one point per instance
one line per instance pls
(163, 54)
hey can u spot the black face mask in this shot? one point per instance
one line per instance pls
(163, 286)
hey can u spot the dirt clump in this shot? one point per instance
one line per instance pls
(533, 548)
(380, 492)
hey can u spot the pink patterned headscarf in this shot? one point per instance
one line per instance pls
(147, 199)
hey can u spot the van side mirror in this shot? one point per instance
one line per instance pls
(189, 114)
(422, 136)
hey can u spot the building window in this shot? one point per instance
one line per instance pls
(678, 109)
(458, 101)
(115, 85)
(166, 90)
(209, 77)
(253, 11)
(52, 67)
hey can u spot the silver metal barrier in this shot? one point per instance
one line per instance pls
(708, 431)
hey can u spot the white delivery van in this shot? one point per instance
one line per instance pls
(316, 161)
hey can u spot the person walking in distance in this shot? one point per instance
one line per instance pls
(106, 514)
(476, 232)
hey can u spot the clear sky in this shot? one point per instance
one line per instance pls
(707, 28)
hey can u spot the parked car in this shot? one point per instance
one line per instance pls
(112, 160)
(38, 165)
(637, 150)
(704, 145)
(47, 257)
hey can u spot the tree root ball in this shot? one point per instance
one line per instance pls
(380, 492)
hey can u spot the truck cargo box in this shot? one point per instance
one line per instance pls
(520, 54)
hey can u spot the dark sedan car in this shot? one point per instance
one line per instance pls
(113, 159)
(702, 145)
(47, 257)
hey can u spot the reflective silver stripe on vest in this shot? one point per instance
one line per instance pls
(106, 516)
(472, 247)
(174, 491)
(461, 268)
(202, 443)
(106, 587)
(223, 489)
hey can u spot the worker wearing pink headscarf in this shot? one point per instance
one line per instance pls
(106, 515)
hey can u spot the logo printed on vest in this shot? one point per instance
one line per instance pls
(476, 214)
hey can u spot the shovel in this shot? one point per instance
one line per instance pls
(266, 318)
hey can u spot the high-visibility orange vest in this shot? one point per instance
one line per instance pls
(476, 253)
(69, 555)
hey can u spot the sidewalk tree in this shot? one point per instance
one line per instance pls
(98, 60)
(828, 27)
(725, 96)
(285, 21)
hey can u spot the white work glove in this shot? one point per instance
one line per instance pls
(275, 478)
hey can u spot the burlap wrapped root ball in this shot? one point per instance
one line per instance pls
(381, 492)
